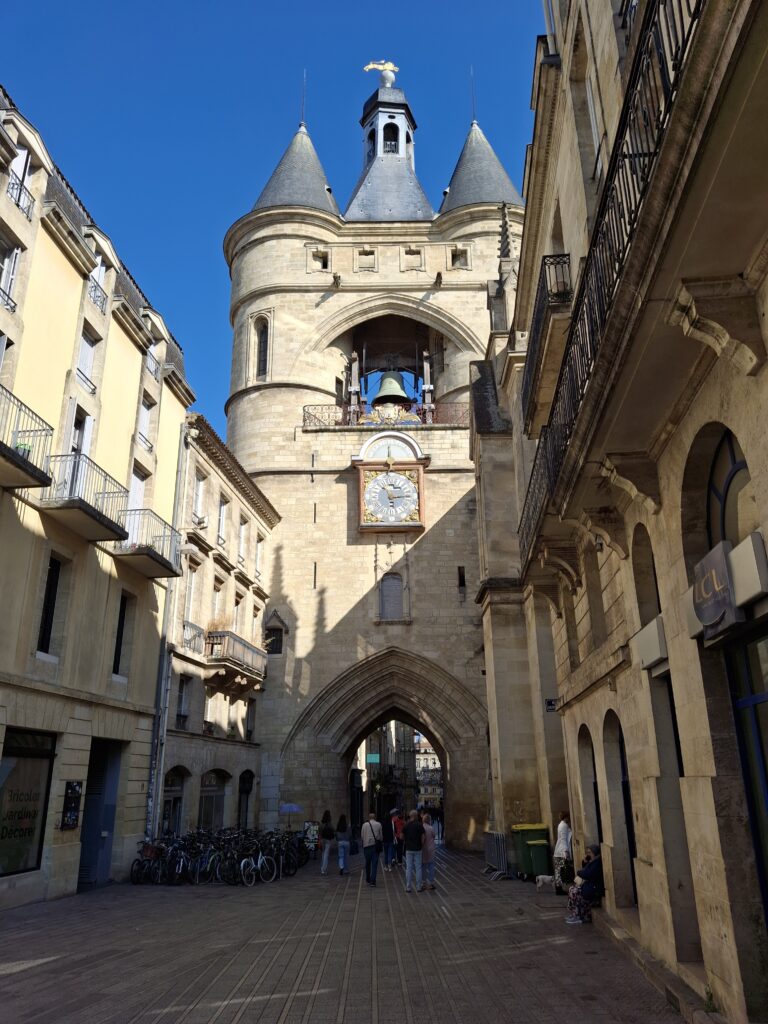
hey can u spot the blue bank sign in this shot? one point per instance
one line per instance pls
(713, 599)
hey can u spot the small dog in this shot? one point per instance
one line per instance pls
(544, 880)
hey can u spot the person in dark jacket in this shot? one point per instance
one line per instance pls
(588, 889)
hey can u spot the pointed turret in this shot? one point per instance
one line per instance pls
(479, 176)
(388, 188)
(299, 179)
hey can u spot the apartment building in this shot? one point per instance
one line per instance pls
(635, 387)
(220, 643)
(93, 399)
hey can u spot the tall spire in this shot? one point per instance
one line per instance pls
(299, 179)
(479, 176)
(388, 189)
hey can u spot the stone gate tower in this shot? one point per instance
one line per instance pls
(353, 337)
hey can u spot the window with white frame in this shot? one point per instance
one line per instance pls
(189, 596)
(85, 360)
(237, 614)
(144, 433)
(592, 109)
(222, 524)
(259, 553)
(9, 261)
(242, 540)
(198, 501)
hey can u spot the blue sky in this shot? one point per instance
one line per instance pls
(168, 118)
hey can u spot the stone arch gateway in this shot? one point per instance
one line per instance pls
(393, 683)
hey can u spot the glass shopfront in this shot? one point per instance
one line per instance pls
(25, 781)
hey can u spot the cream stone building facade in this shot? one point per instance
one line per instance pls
(353, 338)
(633, 393)
(217, 661)
(92, 405)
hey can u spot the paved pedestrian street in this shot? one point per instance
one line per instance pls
(325, 950)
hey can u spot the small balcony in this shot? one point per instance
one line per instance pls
(546, 340)
(20, 195)
(25, 444)
(193, 638)
(84, 498)
(239, 664)
(152, 546)
(97, 295)
(446, 414)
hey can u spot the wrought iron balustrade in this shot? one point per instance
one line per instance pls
(455, 414)
(193, 638)
(20, 194)
(97, 295)
(153, 366)
(390, 146)
(663, 46)
(75, 476)
(147, 530)
(223, 645)
(23, 431)
(7, 301)
(554, 289)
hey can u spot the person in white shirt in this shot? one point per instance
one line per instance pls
(563, 852)
(372, 839)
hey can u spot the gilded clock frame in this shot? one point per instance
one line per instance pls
(414, 471)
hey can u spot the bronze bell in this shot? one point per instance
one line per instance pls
(391, 389)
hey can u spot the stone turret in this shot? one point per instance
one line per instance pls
(479, 176)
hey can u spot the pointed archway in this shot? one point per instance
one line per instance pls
(408, 687)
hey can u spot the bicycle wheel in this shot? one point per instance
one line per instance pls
(290, 864)
(267, 869)
(137, 871)
(158, 872)
(248, 872)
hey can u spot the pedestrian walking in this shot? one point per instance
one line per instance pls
(428, 852)
(388, 833)
(327, 835)
(373, 844)
(413, 836)
(398, 825)
(562, 858)
(587, 890)
(343, 839)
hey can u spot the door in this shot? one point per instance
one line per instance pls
(99, 807)
(135, 503)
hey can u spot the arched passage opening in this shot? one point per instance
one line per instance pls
(392, 685)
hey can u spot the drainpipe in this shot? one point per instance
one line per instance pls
(549, 22)
(165, 660)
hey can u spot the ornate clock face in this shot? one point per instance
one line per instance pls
(391, 497)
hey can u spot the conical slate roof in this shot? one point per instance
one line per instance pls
(479, 176)
(299, 179)
(389, 190)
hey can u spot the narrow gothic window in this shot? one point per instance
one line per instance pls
(371, 152)
(391, 596)
(262, 355)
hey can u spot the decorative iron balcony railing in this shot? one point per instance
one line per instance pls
(23, 431)
(193, 638)
(223, 645)
(662, 49)
(147, 530)
(97, 295)
(454, 414)
(20, 194)
(76, 476)
(554, 289)
(390, 146)
(153, 366)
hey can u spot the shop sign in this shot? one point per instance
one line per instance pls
(713, 600)
(70, 816)
(373, 758)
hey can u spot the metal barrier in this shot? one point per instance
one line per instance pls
(496, 856)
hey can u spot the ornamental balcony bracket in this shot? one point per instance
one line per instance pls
(550, 591)
(636, 477)
(564, 561)
(602, 526)
(722, 314)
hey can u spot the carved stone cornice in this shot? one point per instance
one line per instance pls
(722, 314)
(68, 238)
(499, 590)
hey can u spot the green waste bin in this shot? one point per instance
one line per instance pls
(521, 836)
(538, 852)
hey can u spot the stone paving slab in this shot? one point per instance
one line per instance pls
(325, 950)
